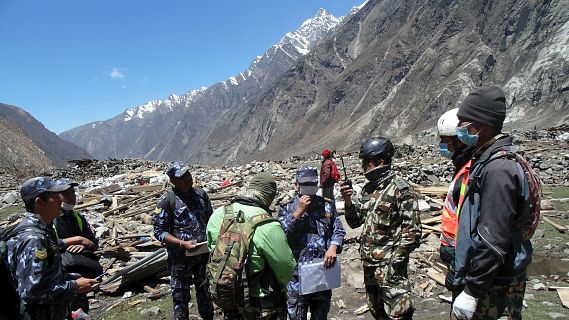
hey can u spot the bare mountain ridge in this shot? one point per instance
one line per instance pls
(167, 129)
(395, 66)
(19, 153)
(57, 150)
(390, 68)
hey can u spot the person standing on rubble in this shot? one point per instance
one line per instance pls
(271, 262)
(388, 209)
(45, 291)
(314, 230)
(493, 247)
(329, 174)
(452, 148)
(180, 221)
(77, 240)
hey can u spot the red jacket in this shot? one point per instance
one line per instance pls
(326, 180)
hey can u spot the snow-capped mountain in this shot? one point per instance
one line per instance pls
(390, 68)
(139, 131)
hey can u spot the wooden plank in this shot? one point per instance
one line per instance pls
(436, 219)
(439, 191)
(436, 229)
(564, 297)
(146, 188)
(437, 276)
(559, 228)
(88, 204)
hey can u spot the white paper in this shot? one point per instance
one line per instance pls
(314, 277)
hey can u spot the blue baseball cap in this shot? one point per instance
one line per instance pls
(66, 182)
(38, 185)
(307, 175)
(177, 169)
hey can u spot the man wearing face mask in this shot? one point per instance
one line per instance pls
(180, 221)
(388, 209)
(313, 230)
(491, 252)
(75, 236)
(452, 148)
(44, 289)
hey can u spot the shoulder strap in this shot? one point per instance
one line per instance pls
(171, 196)
(473, 183)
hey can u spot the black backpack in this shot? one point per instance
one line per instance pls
(10, 304)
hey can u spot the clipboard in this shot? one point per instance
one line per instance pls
(314, 277)
(202, 248)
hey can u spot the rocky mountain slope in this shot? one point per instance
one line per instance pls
(57, 150)
(170, 129)
(390, 68)
(19, 153)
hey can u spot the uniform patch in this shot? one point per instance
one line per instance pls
(41, 254)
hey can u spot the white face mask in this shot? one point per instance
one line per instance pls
(308, 190)
(67, 206)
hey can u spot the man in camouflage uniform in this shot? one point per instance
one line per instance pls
(313, 230)
(180, 222)
(33, 256)
(388, 209)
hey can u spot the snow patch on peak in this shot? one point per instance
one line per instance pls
(166, 105)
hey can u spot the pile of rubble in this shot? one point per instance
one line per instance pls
(118, 198)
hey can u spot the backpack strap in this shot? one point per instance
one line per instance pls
(171, 196)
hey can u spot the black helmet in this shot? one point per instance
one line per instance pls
(377, 147)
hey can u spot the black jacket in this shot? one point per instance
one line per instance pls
(490, 250)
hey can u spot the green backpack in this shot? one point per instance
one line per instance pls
(228, 268)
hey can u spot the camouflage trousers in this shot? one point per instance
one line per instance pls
(298, 305)
(502, 302)
(182, 275)
(388, 292)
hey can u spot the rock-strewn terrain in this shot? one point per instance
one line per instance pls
(118, 198)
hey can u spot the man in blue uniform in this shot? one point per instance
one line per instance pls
(33, 256)
(313, 230)
(180, 222)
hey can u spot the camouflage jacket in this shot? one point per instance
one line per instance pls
(310, 236)
(390, 216)
(35, 265)
(191, 214)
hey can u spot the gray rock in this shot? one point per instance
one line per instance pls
(539, 287)
(356, 280)
(152, 311)
(556, 315)
(11, 197)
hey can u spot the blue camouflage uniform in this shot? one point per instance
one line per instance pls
(35, 265)
(310, 237)
(191, 214)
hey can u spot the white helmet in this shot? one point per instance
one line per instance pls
(446, 126)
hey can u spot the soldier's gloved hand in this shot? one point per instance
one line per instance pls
(464, 306)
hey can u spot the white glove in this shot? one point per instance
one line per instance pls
(464, 306)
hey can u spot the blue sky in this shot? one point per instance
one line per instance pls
(70, 62)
